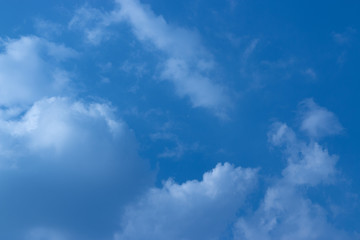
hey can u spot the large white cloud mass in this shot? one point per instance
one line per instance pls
(68, 132)
(63, 160)
(192, 210)
(29, 70)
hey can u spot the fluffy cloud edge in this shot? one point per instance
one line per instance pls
(191, 210)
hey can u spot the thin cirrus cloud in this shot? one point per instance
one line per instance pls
(93, 22)
(187, 64)
(192, 210)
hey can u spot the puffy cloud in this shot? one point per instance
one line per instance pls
(63, 162)
(318, 121)
(29, 70)
(187, 63)
(307, 163)
(62, 127)
(286, 212)
(33, 124)
(192, 210)
(75, 163)
(67, 164)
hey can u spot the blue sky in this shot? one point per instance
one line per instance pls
(129, 120)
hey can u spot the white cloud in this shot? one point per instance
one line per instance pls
(192, 210)
(317, 121)
(191, 82)
(286, 212)
(307, 163)
(29, 70)
(82, 134)
(188, 62)
(57, 152)
(187, 65)
(68, 164)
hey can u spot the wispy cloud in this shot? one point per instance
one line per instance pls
(317, 121)
(311, 73)
(345, 40)
(176, 151)
(47, 28)
(93, 23)
(45, 233)
(187, 64)
(249, 50)
(344, 37)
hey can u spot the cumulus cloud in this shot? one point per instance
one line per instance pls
(63, 127)
(307, 163)
(64, 162)
(286, 212)
(29, 70)
(192, 210)
(187, 63)
(74, 162)
(208, 208)
(34, 120)
(317, 121)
